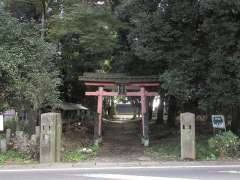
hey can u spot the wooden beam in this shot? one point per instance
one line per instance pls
(128, 85)
(105, 93)
(100, 84)
(143, 84)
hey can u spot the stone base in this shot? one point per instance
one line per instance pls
(98, 141)
(145, 141)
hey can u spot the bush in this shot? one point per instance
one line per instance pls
(11, 124)
(81, 154)
(12, 156)
(224, 144)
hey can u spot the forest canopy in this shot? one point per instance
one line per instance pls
(192, 45)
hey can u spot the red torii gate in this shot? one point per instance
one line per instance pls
(126, 82)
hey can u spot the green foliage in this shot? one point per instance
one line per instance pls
(81, 154)
(72, 156)
(169, 150)
(11, 124)
(86, 35)
(2, 136)
(28, 73)
(225, 144)
(203, 152)
(12, 157)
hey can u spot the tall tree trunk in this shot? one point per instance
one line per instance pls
(133, 104)
(44, 18)
(150, 108)
(172, 111)
(235, 119)
(190, 106)
(160, 110)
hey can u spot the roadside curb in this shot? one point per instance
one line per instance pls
(123, 164)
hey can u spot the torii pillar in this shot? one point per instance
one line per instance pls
(98, 124)
(145, 117)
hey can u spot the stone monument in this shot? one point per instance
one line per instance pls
(50, 137)
(188, 136)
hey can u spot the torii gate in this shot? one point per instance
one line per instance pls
(123, 83)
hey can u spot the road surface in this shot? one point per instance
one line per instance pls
(215, 172)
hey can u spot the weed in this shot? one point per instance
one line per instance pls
(225, 144)
(12, 156)
(81, 154)
(165, 151)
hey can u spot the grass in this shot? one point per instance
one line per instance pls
(165, 151)
(12, 157)
(203, 151)
(80, 155)
(170, 149)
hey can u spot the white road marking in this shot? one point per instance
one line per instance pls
(230, 172)
(129, 177)
(115, 168)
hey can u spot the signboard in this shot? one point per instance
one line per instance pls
(1, 123)
(218, 122)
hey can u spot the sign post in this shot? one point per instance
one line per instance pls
(218, 122)
(1, 123)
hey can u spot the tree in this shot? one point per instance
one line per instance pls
(29, 77)
(86, 37)
(221, 24)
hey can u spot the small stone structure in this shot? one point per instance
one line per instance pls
(188, 136)
(50, 137)
(22, 142)
(8, 136)
(3, 145)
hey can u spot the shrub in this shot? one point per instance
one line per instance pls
(224, 144)
(11, 124)
(81, 154)
(12, 156)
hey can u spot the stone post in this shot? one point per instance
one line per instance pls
(3, 145)
(8, 136)
(50, 137)
(19, 139)
(97, 139)
(37, 131)
(188, 136)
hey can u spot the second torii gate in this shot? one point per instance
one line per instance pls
(123, 83)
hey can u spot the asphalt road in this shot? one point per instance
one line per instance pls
(226, 172)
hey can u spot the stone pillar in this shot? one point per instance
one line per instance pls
(1, 123)
(19, 140)
(188, 136)
(50, 137)
(3, 145)
(37, 131)
(146, 130)
(8, 136)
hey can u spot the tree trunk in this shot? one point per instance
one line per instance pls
(133, 104)
(150, 108)
(172, 111)
(235, 119)
(190, 106)
(160, 111)
(44, 18)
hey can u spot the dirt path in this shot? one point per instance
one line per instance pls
(121, 143)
